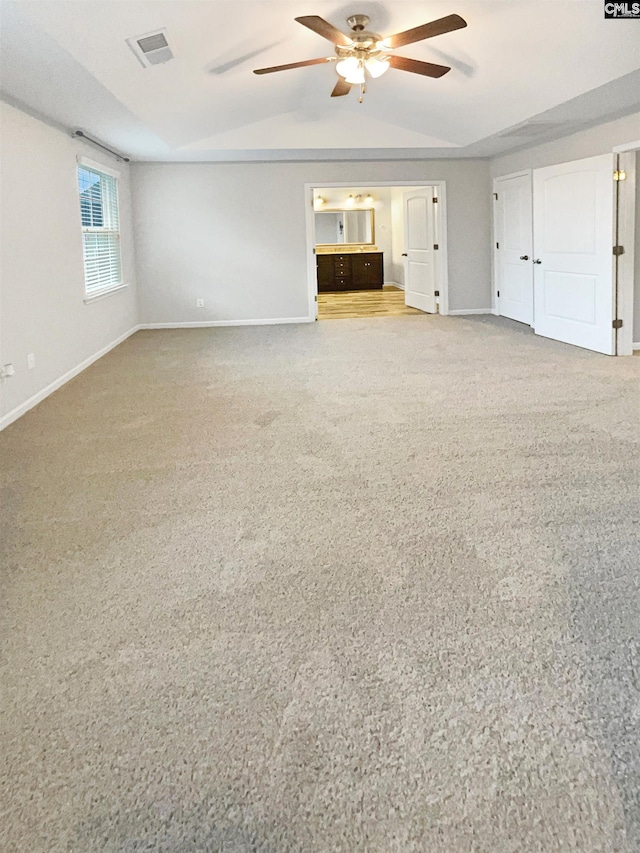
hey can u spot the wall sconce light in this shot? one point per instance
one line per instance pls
(350, 199)
(368, 199)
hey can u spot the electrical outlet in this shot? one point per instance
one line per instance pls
(31, 361)
(199, 303)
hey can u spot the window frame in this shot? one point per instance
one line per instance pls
(84, 163)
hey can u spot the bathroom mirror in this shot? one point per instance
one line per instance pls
(344, 226)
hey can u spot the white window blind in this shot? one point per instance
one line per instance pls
(100, 229)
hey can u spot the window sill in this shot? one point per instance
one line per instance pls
(106, 291)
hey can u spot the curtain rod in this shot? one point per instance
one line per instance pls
(83, 135)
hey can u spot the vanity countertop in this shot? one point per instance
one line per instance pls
(345, 250)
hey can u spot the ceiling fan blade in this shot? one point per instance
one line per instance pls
(426, 31)
(341, 88)
(325, 29)
(294, 65)
(416, 66)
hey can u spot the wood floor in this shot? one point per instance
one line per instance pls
(388, 302)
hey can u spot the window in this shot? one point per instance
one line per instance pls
(98, 193)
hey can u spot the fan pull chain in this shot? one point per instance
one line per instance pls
(363, 91)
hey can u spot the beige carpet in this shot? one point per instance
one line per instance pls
(359, 586)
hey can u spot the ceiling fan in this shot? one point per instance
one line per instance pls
(363, 52)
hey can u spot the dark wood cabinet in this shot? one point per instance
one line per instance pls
(349, 271)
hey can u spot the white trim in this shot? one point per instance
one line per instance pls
(207, 324)
(105, 291)
(627, 146)
(460, 311)
(393, 284)
(442, 265)
(99, 167)
(636, 346)
(20, 410)
(521, 174)
(626, 214)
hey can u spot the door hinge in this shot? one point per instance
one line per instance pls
(436, 293)
(618, 250)
(436, 246)
(497, 245)
(316, 297)
(435, 199)
(314, 251)
(617, 324)
(498, 293)
(619, 175)
(495, 196)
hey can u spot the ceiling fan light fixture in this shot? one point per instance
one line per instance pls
(377, 67)
(347, 66)
(356, 77)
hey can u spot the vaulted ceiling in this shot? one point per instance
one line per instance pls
(521, 69)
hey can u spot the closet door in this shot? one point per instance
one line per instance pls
(573, 258)
(513, 228)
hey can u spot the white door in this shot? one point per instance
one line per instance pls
(513, 218)
(573, 258)
(419, 250)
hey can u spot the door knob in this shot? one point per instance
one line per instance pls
(537, 261)
(524, 257)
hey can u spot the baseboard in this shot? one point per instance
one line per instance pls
(206, 324)
(393, 284)
(635, 346)
(23, 408)
(460, 311)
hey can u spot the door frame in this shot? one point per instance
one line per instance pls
(624, 275)
(442, 265)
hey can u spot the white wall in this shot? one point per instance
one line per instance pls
(41, 267)
(235, 234)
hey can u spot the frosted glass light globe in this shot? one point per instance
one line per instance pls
(377, 67)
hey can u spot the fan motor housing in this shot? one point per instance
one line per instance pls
(364, 41)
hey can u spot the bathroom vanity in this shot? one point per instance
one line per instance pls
(349, 270)
(346, 256)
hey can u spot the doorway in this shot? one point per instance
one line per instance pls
(376, 250)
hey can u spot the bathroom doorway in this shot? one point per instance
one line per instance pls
(376, 250)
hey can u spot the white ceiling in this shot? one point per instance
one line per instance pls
(556, 61)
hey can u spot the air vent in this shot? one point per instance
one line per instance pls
(151, 48)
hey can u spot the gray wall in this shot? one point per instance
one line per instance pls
(41, 267)
(235, 234)
(587, 143)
